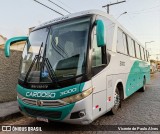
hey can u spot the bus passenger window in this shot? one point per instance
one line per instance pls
(125, 44)
(142, 53)
(147, 55)
(131, 47)
(120, 44)
(137, 51)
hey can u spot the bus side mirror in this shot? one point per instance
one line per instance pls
(100, 33)
(11, 41)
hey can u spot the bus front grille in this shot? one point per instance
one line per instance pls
(45, 103)
(47, 114)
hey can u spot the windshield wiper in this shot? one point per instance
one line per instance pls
(46, 62)
(37, 57)
(51, 71)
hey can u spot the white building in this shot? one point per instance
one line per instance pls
(2, 40)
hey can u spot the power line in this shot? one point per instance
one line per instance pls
(146, 9)
(143, 12)
(59, 6)
(65, 5)
(48, 7)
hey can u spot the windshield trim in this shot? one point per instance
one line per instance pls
(63, 21)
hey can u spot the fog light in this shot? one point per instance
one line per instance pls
(78, 114)
(81, 114)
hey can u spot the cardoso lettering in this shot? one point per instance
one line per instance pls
(41, 94)
(68, 91)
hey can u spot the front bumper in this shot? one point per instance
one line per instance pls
(61, 113)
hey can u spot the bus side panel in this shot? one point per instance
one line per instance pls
(138, 72)
(99, 103)
(110, 86)
(119, 68)
(112, 82)
(99, 94)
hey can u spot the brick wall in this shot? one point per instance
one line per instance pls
(9, 72)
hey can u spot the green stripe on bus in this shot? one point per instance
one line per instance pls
(136, 76)
(53, 94)
(64, 109)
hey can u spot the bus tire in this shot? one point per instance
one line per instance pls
(142, 89)
(117, 102)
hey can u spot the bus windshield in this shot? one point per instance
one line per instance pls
(56, 53)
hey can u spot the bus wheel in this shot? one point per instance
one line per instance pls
(142, 89)
(117, 102)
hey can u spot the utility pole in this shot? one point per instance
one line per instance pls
(111, 4)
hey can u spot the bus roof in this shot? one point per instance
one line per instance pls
(74, 15)
(88, 12)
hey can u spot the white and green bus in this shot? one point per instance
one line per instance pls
(78, 67)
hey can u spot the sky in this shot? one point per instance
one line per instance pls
(142, 18)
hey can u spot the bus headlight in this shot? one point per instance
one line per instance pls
(78, 97)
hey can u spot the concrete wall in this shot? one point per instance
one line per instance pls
(9, 72)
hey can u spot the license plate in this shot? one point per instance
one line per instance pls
(42, 119)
